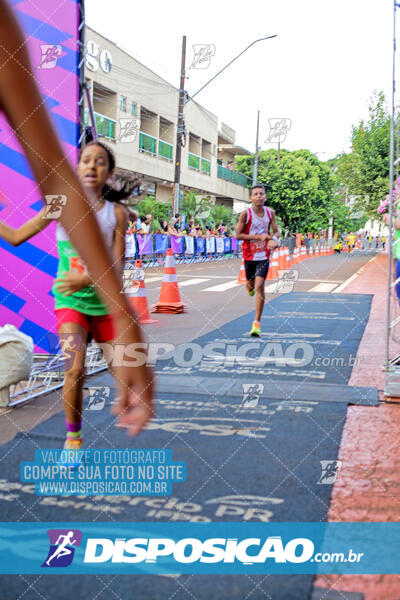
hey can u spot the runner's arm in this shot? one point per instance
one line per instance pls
(119, 239)
(16, 236)
(245, 236)
(274, 225)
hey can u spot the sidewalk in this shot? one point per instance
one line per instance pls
(368, 484)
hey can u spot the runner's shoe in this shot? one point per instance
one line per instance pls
(250, 292)
(255, 330)
(71, 459)
(73, 444)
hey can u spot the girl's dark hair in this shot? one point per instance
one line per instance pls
(109, 192)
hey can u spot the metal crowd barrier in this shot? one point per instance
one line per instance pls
(47, 375)
(152, 248)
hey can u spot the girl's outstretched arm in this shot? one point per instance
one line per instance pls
(24, 107)
(16, 236)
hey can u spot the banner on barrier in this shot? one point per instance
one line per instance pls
(145, 243)
(210, 245)
(189, 245)
(130, 246)
(176, 244)
(235, 244)
(227, 244)
(220, 245)
(161, 243)
(200, 245)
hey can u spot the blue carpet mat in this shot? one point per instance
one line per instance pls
(321, 331)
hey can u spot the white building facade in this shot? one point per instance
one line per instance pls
(135, 112)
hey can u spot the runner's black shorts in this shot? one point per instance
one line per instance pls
(256, 268)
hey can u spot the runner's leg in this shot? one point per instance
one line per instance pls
(260, 297)
(261, 273)
(250, 268)
(74, 380)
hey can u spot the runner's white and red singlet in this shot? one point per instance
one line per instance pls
(255, 249)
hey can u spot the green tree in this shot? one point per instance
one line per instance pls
(364, 172)
(221, 214)
(299, 187)
(158, 210)
(194, 206)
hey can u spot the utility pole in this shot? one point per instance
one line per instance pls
(255, 170)
(330, 230)
(179, 132)
(279, 149)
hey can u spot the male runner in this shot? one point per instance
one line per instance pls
(351, 240)
(254, 229)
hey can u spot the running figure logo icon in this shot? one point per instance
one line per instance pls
(98, 397)
(70, 345)
(128, 130)
(251, 394)
(278, 129)
(55, 204)
(330, 470)
(203, 54)
(62, 542)
(50, 55)
(286, 281)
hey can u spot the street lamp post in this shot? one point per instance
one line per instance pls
(184, 99)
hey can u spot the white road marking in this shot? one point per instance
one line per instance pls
(222, 287)
(319, 280)
(152, 279)
(323, 287)
(192, 282)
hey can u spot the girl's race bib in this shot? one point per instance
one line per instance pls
(76, 265)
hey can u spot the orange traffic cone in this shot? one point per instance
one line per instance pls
(242, 273)
(137, 295)
(169, 300)
(287, 259)
(304, 252)
(282, 259)
(316, 253)
(295, 258)
(273, 265)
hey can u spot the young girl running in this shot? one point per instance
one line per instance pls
(23, 106)
(79, 310)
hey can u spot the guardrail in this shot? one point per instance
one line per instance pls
(152, 248)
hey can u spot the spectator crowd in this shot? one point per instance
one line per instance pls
(178, 226)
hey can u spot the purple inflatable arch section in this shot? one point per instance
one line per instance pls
(27, 272)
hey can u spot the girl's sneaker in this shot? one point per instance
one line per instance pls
(73, 443)
(70, 455)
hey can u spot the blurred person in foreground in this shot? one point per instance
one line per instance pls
(24, 107)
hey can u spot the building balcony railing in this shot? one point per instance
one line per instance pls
(105, 126)
(147, 143)
(165, 150)
(205, 166)
(194, 161)
(233, 176)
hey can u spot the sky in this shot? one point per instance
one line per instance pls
(319, 72)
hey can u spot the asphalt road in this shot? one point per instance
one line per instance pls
(212, 298)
